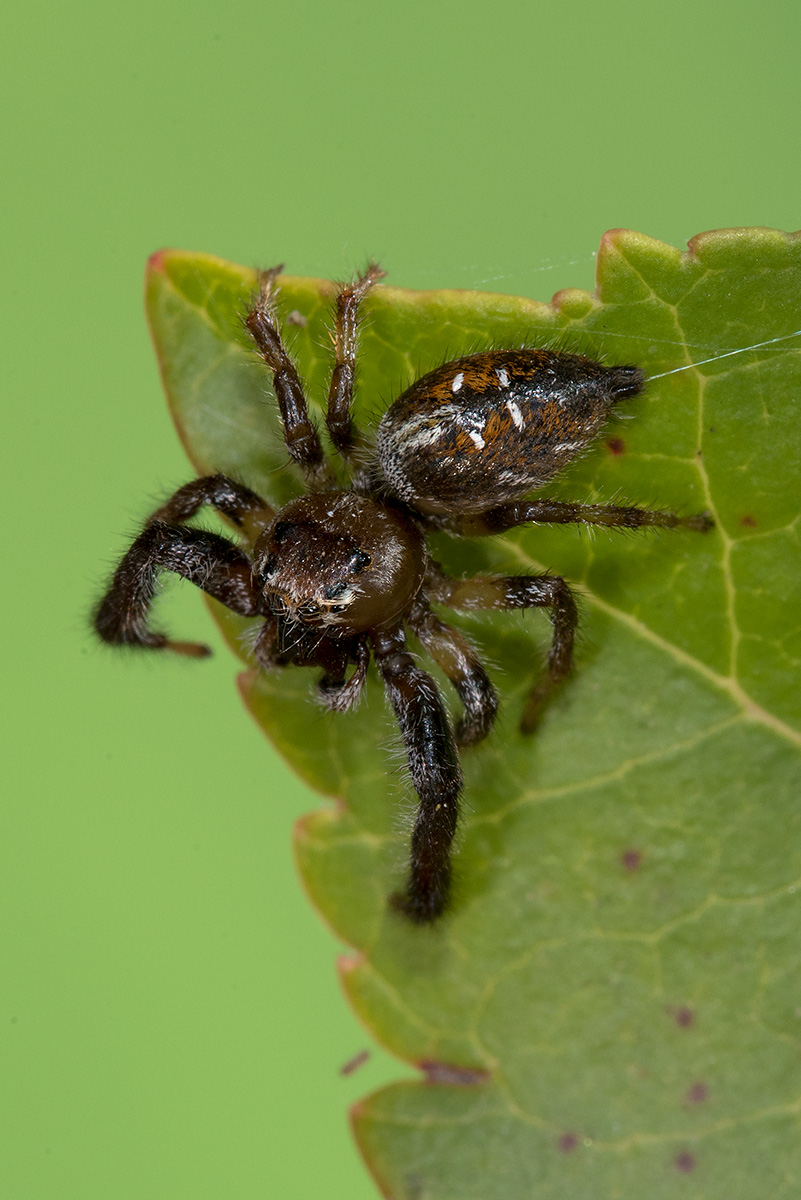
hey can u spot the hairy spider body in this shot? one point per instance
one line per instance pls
(337, 576)
(490, 427)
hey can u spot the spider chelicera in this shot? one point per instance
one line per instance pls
(340, 574)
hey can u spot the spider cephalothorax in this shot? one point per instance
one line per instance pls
(340, 562)
(338, 575)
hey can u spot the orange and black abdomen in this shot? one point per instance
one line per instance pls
(490, 427)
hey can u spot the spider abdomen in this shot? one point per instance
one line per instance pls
(489, 427)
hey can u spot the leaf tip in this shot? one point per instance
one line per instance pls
(348, 963)
(155, 264)
(612, 238)
(309, 828)
(723, 248)
(572, 303)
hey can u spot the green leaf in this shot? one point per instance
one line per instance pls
(613, 1007)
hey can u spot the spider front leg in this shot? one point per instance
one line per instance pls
(340, 393)
(300, 434)
(456, 657)
(437, 777)
(519, 591)
(205, 559)
(245, 508)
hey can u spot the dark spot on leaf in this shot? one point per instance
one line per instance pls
(296, 318)
(616, 445)
(437, 1072)
(354, 1063)
(631, 859)
(748, 521)
(414, 1187)
(683, 1016)
(684, 1162)
(567, 1143)
(696, 1094)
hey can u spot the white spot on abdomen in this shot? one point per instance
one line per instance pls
(476, 439)
(458, 380)
(503, 376)
(515, 414)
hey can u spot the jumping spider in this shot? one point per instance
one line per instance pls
(339, 574)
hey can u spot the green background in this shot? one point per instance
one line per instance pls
(170, 1022)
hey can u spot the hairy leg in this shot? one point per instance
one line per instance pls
(300, 434)
(205, 559)
(235, 501)
(437, 777)
(452, 652)
(556, 512)
(340, 394)
(519, 591)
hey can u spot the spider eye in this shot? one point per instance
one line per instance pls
(266, 567)
(280, 530)
(332, 592)
(359, 561)
(308, 610)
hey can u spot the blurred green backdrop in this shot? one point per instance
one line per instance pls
(170, 1021)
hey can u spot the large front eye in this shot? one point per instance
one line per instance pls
(359, 561)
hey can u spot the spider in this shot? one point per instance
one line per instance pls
(340, 574)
